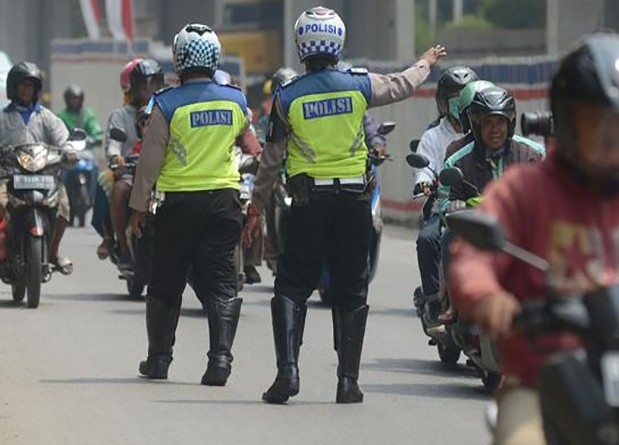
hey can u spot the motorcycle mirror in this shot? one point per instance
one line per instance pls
(386, 128)
(479, 229)
(77, 134)
(486, 233)
(413, 145)
(451, 177)
(118, 135)
(416, 160)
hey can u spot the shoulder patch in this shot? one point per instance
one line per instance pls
(290, 81)
(358, 70)
(163, 90)
(229, 85)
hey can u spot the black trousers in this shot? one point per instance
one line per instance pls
(198, 229)
(334, 228)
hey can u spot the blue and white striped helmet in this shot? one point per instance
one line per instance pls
(319, 31)
(196, 46)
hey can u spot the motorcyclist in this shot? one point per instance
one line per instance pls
(25, 120)
(186, 151)
(280, 77)
(492, 118)
(145, 77)
(317, 121)
(432, 145)
(464, 102)
(75, 115)
(565, 210)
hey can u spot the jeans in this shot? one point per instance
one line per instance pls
(428, 254)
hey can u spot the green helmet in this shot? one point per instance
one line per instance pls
(465, 99)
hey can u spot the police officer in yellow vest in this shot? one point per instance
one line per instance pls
(317, 119)
(188, 151)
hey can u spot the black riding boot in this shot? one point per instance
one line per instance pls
(349, 330)
(288, 325)
(223, 318)
(161, 321)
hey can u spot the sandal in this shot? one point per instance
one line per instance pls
(63, 265)
(103, 249)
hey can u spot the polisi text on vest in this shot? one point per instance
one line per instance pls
(210, 117)
(327, 107)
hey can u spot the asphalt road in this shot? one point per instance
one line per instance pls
(68, 370)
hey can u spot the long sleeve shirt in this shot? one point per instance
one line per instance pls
(543, 209)
(386, 89)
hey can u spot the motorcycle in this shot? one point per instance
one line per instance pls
(32, 172)
(579, 390)
(78, 180)
(458, 335)
(140, 248)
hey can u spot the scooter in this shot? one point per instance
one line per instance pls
(324, 284)
(140, 248)
(579, 390)
(457, 336)
(33, 174)
(78, 181)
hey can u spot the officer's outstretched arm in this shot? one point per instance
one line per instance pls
(394, 87)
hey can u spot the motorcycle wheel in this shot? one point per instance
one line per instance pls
(34, 272)
(135, 288)
(326, 296)
(84, 200)
(491, 380)
(448, 354)
(18, 291)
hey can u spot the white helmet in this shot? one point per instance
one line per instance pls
(196, 46)
(319, 31)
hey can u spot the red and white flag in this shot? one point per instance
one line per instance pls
(119, 14)
(92, 17)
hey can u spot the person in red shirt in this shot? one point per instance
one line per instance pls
(565, 210)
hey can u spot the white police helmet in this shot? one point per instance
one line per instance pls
(319, 31)
(196, 46)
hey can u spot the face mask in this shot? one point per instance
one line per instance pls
(453, 108)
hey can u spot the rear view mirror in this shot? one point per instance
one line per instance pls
(479, 229)
(386, 128)
(413, 145)
(451, 177)
(78, 135)
(416, 160)
(118, 135)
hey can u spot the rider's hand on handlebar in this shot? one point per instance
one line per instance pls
(494, 313)
(137, 222)
(455, 206)
(380, 151)
(71, 157)
(118, 160)
(425, 187)
(434, 54)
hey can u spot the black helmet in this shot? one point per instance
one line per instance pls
(590, 75)
(492, 101)
(20, 72)
(451, 82)
(146, 68)
(75, 91)
(282, 76)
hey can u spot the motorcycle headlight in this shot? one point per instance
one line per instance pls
(32, 163)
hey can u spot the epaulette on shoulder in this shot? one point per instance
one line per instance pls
(236, 87)
(290, 81)
(163, 90)
(358, 70)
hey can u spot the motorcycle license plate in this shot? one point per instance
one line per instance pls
(33, 182)
(245, 192)
(610, 376)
